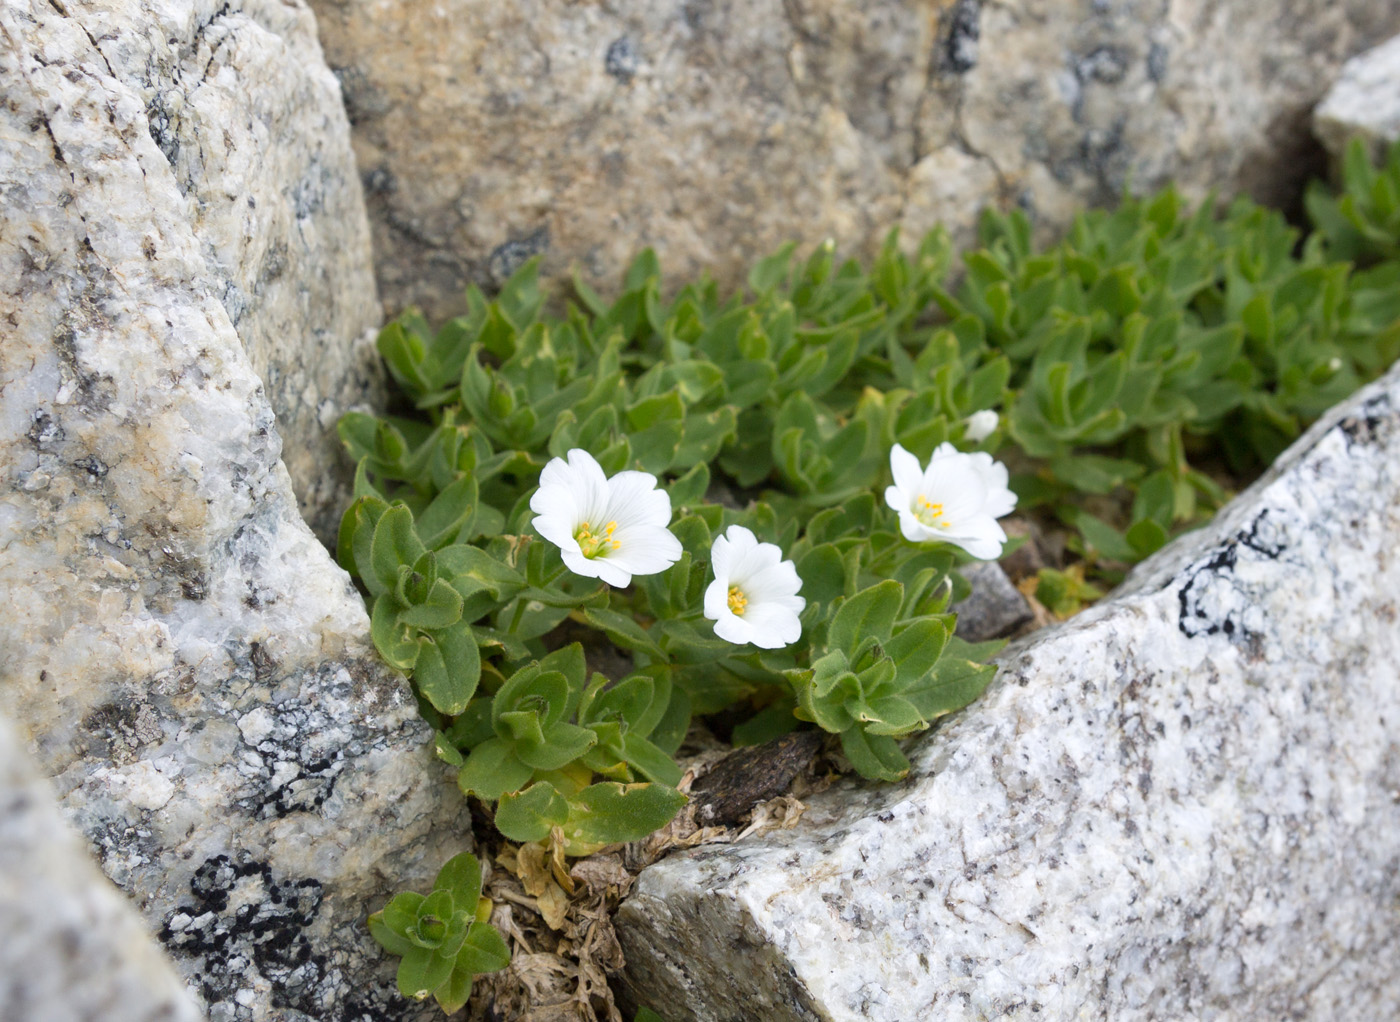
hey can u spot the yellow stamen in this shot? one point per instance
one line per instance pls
(592, 545)
(929, 513)
(737, 601)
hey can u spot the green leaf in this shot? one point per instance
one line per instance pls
(1094, 473)
(394, 943)
(492, 769)
(484, 950)
(531, 814)
(460, 876)
(624, 631)
(443, 607)
(355, 538)
(876, 757)
(395, 644)
(771, 272)
(871, 612)
(447, 669)
(652, 762)
(421, 971)
(1147, 537)
(892, 715)
(765, 725)
(450, 512)
(562, 743)
(395, 543)
(951, 685)
(690, 488)
(609, 812)
(823, 574)
(1101, 536)
(453, 995)
(915, 650)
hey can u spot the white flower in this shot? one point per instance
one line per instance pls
(980, 425)
(605, 528)
(957, 499)
(754, 595)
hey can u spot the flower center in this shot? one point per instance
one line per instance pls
(929, 513)
(594, 545)
(737, 601)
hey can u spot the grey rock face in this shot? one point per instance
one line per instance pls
(1180, 804)
(1365, 102)
(73, 950)
(183, 656)
(716, 130)
(249, 121)
(995, 608)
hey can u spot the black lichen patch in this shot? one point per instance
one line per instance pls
(245, 923)
(243, 920)
(960, 36)
(622, 60)
(1366, 425)
(506, 258)
(1211, 602)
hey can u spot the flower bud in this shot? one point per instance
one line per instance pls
(980, 425)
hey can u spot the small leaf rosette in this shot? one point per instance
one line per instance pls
(443, 937)
(754, 595)
(957, 499)
(609, 529)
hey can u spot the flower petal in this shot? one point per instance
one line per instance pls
(644, 549)
(772, 581)
(907, 474)
(717, 599)
(955, 484)
(982, 537)
(914, 530)
(633, 499)
(557, 529)
(734, 629)
(771, 626)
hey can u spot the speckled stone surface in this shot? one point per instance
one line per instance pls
(182, 656)
(73, 950)
(1365, 102)
(1182, 804)
(716, 130)
(249, 122)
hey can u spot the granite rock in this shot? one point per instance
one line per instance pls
(182, 656)
(716, 130)
(994, 609)
(1365, 102)
(1180, 804)
(249, 120)
(74, 949)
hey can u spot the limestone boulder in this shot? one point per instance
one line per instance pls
(182, 656)
(1180, 804)
(716, 130)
